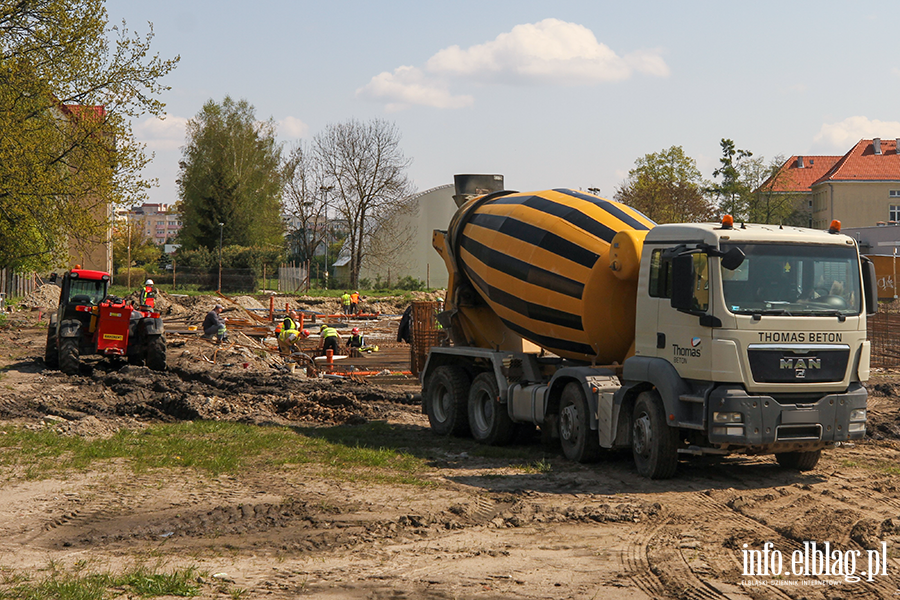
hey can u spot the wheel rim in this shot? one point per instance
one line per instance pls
(641, 434)
(484, 415)
(442, 406)
(568, 423)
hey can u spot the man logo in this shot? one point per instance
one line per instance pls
(801, 365)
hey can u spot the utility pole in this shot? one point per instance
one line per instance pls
(128, 233)
(221, 229)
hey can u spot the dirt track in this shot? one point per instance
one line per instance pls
(486, 529)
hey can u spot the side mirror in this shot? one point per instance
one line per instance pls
(682, 282)
(732, 259)
(870, 286)
(53, 277)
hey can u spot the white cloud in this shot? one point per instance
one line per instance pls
(843, 135)
(408, 86)
(293, 127)
(550, 51)
(161, 134)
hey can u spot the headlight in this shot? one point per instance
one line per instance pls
(728, 417)
(856, 427)
(858, 414)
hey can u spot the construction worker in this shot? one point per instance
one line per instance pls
(330, 339)
(345, 300)
(147, 297)
(289, 333)
(214, 324)
(355, 342)
(354, 303)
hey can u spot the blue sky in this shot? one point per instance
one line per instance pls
(561, 94)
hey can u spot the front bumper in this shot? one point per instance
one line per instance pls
(772, 425)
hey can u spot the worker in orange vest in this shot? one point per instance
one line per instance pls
(147, 296)
(354, 303)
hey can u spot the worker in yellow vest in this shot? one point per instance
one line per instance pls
(290, 333)
(330, 339)
(345, 300)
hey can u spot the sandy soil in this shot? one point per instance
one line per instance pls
(487, 528)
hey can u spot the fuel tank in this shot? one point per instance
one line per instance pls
(557, 267)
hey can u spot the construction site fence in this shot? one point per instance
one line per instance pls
(16, 285)
(293, 277)
(884, 335)
(201, 278)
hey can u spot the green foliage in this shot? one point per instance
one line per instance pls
(60, 584)
(130, 239)
(667, 187)
(733, 191)
(230, 174)
(67, 95)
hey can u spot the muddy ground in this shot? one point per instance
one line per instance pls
(486, 528)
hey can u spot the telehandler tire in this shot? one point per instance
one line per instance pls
(156, 352)
(799, 461)
(446, 400)
(51, 352)
(488, 419)
(69, 356)
(654, 444)
(578, 441)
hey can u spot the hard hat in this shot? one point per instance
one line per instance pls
(356, 330)
(323, 327)
(306, 333)
(440, 299)
(148, 282)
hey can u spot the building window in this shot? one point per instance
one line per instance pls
(894, 213)
(894, 194)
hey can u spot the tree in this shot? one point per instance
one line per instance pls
(733, 192)
(667, 187)
(364, 164)
(305, 197)
(129, 238)
(230, 173)
(67, 97)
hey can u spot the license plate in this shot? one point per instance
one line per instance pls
(112, 336)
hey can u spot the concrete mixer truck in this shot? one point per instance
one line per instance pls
(581, 316)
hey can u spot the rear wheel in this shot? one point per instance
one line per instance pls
(654, 444)
(578, 442)
(799, 461)
(51, 352)
(488, 419)
(446, 393)
(69, 357)
(156, 352)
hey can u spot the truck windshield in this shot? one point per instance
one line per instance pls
(794, 279)
(86, 291)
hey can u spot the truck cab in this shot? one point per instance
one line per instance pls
(753, 337)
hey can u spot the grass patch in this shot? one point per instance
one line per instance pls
(61, 584)
(215, 448)
(881, 466)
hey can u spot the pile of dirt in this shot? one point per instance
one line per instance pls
(46, 297)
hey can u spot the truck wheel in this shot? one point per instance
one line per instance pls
(156, 352)
(69, 359)
(488, 419)
(51, 352)
(578, 442)
(445, 397)
(654, 444)
(799, 461)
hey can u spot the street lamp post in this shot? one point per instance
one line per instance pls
(221, 229)
(128, 233)
(325, 189)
